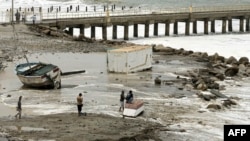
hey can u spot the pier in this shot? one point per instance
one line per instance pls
(137, 16)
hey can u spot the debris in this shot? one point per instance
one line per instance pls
(72, 72)
(218, 94)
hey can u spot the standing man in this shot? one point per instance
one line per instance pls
(19, 108)
(122, 98)
(23, 17)
(17, 17)
(79, 100)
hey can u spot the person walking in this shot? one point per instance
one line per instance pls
(19, 108)
(122, 98)
(79, 104)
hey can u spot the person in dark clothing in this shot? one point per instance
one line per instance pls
(79, 100)
(33, 19)
(122, 98)
(23, 17)
(19, 108)
(17, 17)
(129, 97)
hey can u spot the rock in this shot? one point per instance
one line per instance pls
(242, 67)
(47, 31)
(213, 86)
(157, 61)
(220, 76)
(231, 60)
(214, 78)
(205, 96)
(189, 86)
(218, 93)
(229, 102)
(202, 86)
(204, 55)
(157, 48)
(196, 54)
(248, 70)
(243, 60)
(157, 81)
(214, 106)
(55, 33)
(232, 71)
(185, 53)
(217, 58)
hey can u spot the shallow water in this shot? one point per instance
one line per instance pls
(101, 89)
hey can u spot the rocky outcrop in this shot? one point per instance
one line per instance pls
(217, 68)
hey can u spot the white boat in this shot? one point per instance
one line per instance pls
(39, 75)
(133, 109)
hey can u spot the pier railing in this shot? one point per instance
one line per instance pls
(141, 11)
(43, 14)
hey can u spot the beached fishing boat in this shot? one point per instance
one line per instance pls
(133, 109)
(39, 75)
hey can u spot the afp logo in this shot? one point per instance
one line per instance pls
(236, 132)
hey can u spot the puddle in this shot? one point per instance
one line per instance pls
(25, 129)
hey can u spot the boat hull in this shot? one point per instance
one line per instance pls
(39, 75)
(134, 109)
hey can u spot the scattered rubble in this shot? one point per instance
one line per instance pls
(217, 68)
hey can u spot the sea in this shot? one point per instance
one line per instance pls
(101, 90)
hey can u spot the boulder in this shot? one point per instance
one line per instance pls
(229, 102)
(55, 33)
(46, 31)
(157, 81)
(243, 60)
(220, 76)
(217, 58)
(196, 54)
(157, 48)
(202, 86)
(232, 71)
(242, 67)
(206, 97)
(186, 53)
(248, 70)
(213, 86)
(214, 106)
(231, 60)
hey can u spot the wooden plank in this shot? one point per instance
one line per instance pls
(72, 72)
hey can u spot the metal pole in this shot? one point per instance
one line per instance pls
(12, 11)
